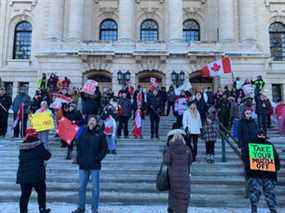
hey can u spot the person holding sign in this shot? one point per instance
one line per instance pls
(43, 135)
(261, 165)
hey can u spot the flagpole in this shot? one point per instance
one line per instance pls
(22, 118)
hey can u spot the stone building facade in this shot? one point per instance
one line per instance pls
(103, 39)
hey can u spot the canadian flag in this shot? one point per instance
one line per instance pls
(217, 68)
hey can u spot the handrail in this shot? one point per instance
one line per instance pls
(229, 139)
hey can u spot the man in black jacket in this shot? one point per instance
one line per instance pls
(91, 150)
(31, 171)
(154, 103)
(22, 99)
(247, 130)
(5, 104)
(261, 172)
(262, 109)
(125, 108)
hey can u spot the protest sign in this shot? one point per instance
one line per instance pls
(261, 157)
(42, 121)
(90, 87)
(66, 130)
(248, 90)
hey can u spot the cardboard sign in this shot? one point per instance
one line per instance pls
(90, 87)
(248, 90)
(261, 157)
(42, 121)
(66, 130)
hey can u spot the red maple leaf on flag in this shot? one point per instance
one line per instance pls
(216, 67)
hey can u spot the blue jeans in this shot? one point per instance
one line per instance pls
(83, 179)
(44, 138)
(111, 142)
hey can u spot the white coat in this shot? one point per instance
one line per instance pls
(193, 123)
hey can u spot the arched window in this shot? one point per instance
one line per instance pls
(22, 40)
(108, 30)
(149, 30)
(277, 41)
(191, 30)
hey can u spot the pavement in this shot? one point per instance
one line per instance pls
(67, 208)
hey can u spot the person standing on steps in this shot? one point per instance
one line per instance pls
(44, 134)
(31, 170)
(210, 135)
(261, 180)
(247, 131)
(125, 111)
(192, 124)
(180, 107)
(21, 108)
(154, 103)
(110, 127)
(5, 104)
(178, 157)
(91, 150)
(171, 97)
(75, 117)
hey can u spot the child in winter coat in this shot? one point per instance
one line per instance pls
(110, 127)
(137, 129)
(210, 135)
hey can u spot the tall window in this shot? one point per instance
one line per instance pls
(109, 30)
(277, 41)
(149, 30)
(22, 41)
(191, 30)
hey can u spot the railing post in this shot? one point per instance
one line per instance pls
(223, 149)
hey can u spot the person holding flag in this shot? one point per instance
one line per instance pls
(5, 104)
(21, 108)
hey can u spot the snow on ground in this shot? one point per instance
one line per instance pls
(67, 208)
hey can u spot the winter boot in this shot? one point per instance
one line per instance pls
(45, 210)
(68, 156)
(208, 158)
(79, 210)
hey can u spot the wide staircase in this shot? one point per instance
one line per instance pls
(129, 177)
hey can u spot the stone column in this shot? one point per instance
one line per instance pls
(55, 24)
(175, 13)
(247, 20)
(75, 20)
(226, 20)
(126, 19)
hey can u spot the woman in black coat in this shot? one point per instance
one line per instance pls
(31, 171)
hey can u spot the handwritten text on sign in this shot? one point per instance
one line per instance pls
(90, 87)
(42, 121)
(261, 157)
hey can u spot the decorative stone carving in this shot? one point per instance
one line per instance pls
(150, 63)
(148, 11)
(97, 62)
(22, 6)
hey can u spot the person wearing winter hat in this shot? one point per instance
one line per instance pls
(262, 164)
(31, 170)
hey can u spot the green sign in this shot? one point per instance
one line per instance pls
(261, 157)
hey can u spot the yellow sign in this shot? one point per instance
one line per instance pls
(42, 121)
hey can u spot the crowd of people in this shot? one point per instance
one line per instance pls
(241, 108)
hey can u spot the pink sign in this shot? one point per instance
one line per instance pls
(90, 87)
